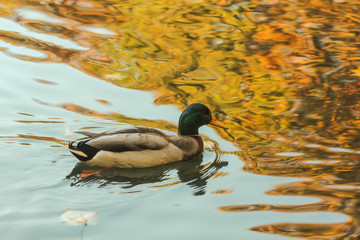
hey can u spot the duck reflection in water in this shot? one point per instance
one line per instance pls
(192, 172)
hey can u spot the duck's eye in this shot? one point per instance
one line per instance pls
(205, 112)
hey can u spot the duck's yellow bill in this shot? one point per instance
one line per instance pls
(217, 123)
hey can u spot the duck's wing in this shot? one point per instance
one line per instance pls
(121, 142)
(122, 131)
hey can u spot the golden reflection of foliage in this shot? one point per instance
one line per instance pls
(227, 57)
(82, 110)
(180, 53)
(333, 180)
(314, 51)
(309, 231)
(40, 138)
(223, 56)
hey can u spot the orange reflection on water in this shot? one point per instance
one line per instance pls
(332, 180)
(41, 138)
(309, 231)
(82, 110)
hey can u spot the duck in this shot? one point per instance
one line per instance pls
(142, 147)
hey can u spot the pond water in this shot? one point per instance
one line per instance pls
(282, 75)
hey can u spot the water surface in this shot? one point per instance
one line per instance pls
(282, 75)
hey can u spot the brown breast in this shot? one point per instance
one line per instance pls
(190, 145)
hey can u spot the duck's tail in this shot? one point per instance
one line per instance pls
(81, 150)
(76, 152)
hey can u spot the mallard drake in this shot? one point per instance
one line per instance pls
(140, 147)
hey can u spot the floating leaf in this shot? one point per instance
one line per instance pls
(77, 217)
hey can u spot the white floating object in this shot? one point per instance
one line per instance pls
(77, 217)
(289, 154)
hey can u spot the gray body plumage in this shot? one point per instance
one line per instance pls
(135, 147)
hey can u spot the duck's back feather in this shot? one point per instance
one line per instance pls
(123, 131)
(128, 142)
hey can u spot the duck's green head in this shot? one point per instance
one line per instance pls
(194, 116)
